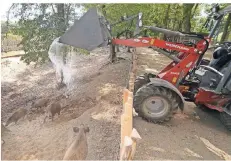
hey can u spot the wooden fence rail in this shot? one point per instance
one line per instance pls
(129, 135)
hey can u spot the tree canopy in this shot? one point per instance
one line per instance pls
(40, 24)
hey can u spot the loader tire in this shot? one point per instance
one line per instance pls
(156, 103)
(226, 120)
(142, 80)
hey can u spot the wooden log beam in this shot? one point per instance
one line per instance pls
(126, 149)
(129, 136)
(135, 136)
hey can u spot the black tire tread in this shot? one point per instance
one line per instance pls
(142, 80)
(226, 120)
(150, 90)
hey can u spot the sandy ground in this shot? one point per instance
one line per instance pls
(95, 100)
(179, 138)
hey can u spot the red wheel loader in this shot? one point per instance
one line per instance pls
(188, 77)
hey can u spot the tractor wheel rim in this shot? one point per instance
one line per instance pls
(155, 106)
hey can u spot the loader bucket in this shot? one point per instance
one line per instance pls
(87, 33)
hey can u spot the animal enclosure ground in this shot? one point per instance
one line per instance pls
(95, 100)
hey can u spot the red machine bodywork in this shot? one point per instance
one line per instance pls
(211, 99)
(188, 55)
(172, 72)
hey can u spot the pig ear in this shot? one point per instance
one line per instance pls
(86, 129)
(75, 129)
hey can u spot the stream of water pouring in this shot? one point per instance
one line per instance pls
(75, 66)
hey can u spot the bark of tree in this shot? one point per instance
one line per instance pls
(187, 10)
(112, 53)
(195, 9)
(228, 34)
(61, 17)
(165, 22)
(62, 26)
(179, 25)
(117, 46)
(225, 31)
(67, 6)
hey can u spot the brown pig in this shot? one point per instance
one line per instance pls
(20, 113)
(51, 110)
(79, 148)
(40, 103)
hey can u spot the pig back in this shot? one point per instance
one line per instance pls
(55, 108)
(16, 116)
(78, 149)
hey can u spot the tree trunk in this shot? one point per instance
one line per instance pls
(62, 28)
(179, 25)
(117, 46)
(225, 31)
(68, 7)
(173, 25)
(61, 17)
(187, 10)
(195, 9)
(128, 36)
(112, 53)
(165, 22)
(228, 34)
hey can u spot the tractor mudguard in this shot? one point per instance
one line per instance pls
(166, 84)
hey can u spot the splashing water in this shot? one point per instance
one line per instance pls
(57, 56)
(75, 66)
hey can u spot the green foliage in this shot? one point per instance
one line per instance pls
(3, 28)
(162, 15)
(40, 24)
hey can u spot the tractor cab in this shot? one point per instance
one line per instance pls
(221, 56)
(216, 75)
(215, 83)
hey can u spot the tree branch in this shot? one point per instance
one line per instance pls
(53, 9)
(7, 20)
(195, 8)
(67, 14)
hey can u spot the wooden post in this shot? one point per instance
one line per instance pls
(129, 147)
(133, 70)
(126, 149)
(126, 127)
(126, 118)
(129, 136)
(125, 95)
(135, 137)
